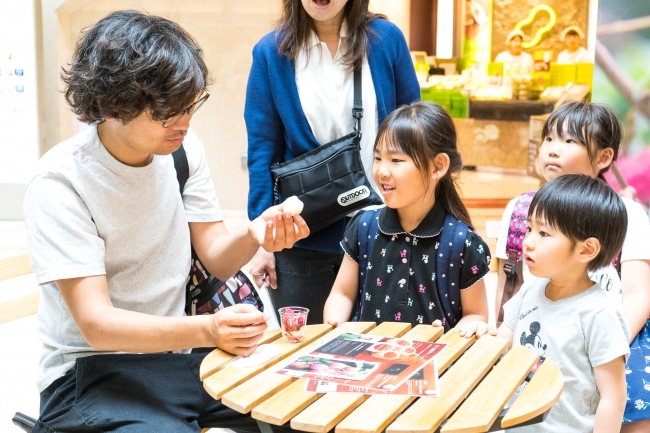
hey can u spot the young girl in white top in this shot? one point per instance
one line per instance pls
(584, 138)
(417, 259)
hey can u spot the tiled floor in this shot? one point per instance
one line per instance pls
(20, 346)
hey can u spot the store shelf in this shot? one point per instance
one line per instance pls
(508, 110)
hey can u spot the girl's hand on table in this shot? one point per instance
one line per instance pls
(477, 328)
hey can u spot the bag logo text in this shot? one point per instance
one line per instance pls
(353, 196)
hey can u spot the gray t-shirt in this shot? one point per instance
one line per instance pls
(88, 214)
(578, 334)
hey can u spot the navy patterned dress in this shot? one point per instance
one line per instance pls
(401, 280)
(637, 373)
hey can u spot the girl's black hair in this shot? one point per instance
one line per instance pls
(423, 130)
(581, 207)
(593, 125)
(129, 62)
(295, 27)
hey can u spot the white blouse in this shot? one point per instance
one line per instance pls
(326, 91)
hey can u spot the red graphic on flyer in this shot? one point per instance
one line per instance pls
(422, 383)
(368, 361)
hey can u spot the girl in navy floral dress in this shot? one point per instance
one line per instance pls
(416, 160)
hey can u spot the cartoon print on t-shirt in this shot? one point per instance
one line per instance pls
(534, 341)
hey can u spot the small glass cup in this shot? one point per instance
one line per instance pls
(293, 320)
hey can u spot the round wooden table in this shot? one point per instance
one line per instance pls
(476, 382)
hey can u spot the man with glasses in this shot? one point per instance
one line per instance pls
(109, 237)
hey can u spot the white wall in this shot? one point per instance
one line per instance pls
(19, 142)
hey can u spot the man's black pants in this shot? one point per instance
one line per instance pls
(136, 394)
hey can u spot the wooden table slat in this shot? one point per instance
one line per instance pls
(426, 414)
(323, 414)
(376, 413)
(254, 391)
(479, 411)
(457, 346)
(216, 359)
(541, 393)
(327, 412)
(286, 404)
(229, 377)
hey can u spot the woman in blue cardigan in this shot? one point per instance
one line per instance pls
(299, 96)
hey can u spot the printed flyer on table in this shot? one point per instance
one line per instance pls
(369, 364)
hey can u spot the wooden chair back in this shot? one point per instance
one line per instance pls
(23, 306)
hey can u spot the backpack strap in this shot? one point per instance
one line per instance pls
(616, 262)
(367, 232)
(514, 245)
(448, 263)
(182, 167)
(518, 225)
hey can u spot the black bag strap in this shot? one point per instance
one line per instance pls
(182, 167)
(357, 107)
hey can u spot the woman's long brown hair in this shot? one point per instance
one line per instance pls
(423, 130)
(295, 26)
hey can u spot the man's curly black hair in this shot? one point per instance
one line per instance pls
(130, 62)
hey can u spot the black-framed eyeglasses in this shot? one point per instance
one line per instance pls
(189, 110)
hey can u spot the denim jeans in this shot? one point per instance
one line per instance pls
(305, 279)
(136, 393)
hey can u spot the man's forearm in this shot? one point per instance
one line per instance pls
(229, 253)
(121, 330)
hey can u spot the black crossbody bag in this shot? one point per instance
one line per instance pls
(330, 179)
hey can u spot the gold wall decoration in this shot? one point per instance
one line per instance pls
(507, 13)
(529, 43)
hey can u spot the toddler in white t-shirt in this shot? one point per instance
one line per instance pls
(584, 138)
(575, 224)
